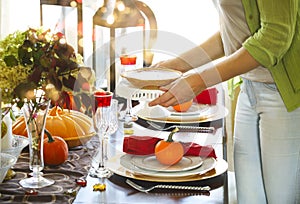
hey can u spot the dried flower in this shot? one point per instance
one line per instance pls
(37, 59)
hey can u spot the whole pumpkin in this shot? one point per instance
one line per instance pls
(55, 151)
(73, 126)
(169, 152)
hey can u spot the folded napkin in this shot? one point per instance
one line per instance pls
(144, 145)
(208, 96)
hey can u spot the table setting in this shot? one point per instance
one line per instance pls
(104, 161)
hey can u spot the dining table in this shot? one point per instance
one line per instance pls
(73, 184)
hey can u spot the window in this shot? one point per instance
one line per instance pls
(190, 21)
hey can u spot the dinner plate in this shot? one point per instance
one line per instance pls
(207, 114)
(150, 163)
(122, 166)
(194, 110)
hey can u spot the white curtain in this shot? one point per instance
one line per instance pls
(18, 15)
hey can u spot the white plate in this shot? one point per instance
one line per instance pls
(207, 114)
(150, 163)
(194, 110)
(115, 166)
(207, 165)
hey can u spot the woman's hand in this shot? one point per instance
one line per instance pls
(179, 91)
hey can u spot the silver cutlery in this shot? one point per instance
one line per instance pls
(162, 186)
(186, 128)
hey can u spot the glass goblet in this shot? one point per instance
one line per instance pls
(101, 121)
(113, 124)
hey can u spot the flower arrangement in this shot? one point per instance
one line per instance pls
(38, 59)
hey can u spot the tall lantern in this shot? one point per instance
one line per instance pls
(119, 28)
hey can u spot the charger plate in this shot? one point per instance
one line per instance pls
(121, 165)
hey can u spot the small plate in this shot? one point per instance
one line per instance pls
(152, 164)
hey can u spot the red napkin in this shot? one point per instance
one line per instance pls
(208, 96)
(144, 145)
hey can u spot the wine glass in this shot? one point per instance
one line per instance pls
(113, 124)
(101, 122)
(129, 116)
(114, 121)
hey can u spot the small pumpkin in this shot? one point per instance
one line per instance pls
(69, 124)
(169, 152)
(55, 150)
(183, 107)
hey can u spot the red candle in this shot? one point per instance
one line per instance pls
(128, 59)
(103, 98)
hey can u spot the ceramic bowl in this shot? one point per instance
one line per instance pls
(151, 77)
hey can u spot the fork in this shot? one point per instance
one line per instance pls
(175, 187)
(185, 128)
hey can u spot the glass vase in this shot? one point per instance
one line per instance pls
(35, 114)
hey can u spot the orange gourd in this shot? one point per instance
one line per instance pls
(183, 107)
(68, 124)
(55, 150)
(169, 152)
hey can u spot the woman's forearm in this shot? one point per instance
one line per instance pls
(236, 64)
(208, 51)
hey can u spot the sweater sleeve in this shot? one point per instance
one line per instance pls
(273, 38)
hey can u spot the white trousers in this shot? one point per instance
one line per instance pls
(266, 147)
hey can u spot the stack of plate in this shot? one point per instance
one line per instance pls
(147, 168)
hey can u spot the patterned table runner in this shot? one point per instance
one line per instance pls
(65, 176)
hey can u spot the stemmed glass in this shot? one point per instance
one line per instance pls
(129, 116)
(113, 123)
(101, 122)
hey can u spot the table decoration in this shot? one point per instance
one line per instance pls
(18, 144)
(6, 162)
(101, 123)
(6, 130)
(35, 58)
(145, 145)
(74, 127)
(122, 165)
(35, 113)
(169, 152)
(34, 55)
(61, 153)
(208, 96)
(69, 178)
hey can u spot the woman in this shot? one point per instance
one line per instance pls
(261, 42)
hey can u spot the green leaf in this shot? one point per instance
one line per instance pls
(10, 60)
